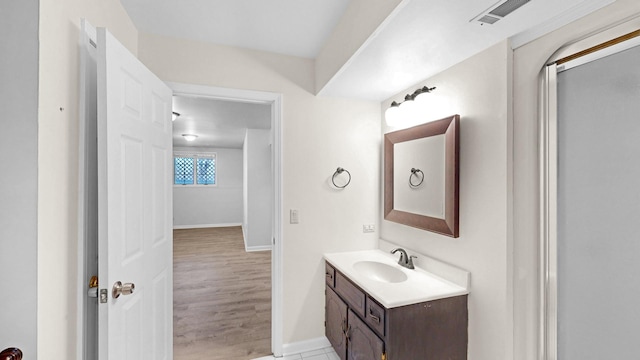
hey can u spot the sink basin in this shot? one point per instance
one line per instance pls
(380, 272)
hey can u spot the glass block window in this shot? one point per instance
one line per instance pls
(194, 168)
(206, 171)
(183, 170)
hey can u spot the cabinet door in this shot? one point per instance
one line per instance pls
(336, 322)
(364, 344)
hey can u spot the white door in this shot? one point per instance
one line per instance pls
(135, 203)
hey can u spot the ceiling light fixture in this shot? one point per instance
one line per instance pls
(189, 137)
(402, 113)
(175, 115)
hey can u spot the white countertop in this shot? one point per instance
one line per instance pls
(420, 285)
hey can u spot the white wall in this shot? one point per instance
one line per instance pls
(319, 134)
(18, 178)
(479, 90)
(202, 206)
(258, 191)
(528, 63)
(58, 162)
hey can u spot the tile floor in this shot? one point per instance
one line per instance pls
(321, 354)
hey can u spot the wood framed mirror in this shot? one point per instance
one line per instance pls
(422, 176)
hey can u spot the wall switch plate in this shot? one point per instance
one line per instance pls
(368, 228)
(294, 217)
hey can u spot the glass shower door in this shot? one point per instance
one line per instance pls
(598, 208)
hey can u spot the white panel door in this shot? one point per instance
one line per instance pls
(135, 236)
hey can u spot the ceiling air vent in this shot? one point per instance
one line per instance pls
(499, 11)
(488, 19)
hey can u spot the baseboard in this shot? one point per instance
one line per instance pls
(244, 236)
(257, 248)
(306, 345)
(203, 226)
(248, 248)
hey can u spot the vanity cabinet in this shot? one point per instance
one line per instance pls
(360, 328)
(336, 312)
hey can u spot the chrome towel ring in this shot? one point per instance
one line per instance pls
(338, 172)
(414, 172)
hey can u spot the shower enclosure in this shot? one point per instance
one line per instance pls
(590, 177)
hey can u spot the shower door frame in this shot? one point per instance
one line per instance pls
(605, 43)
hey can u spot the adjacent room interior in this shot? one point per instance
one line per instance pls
(222, 196)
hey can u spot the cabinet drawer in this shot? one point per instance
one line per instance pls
(330, 275)
(350, 293)
(375, 316)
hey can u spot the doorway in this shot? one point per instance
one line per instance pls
(223, 228)
(275, 102)
(590, 206)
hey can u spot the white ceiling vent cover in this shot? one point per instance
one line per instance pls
(498, 11)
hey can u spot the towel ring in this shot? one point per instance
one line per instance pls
(338, 172)
(415, 172)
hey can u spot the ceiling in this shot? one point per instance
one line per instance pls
(218, 123)
(292, 27)
(428, 36)
(419, 39)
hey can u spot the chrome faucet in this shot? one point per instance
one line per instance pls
(405, 260)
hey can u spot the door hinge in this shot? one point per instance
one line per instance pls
(93, 287)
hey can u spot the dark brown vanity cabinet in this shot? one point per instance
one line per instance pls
(336, 322)
(359, 328)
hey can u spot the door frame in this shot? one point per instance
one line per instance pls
(599, 45)
(87, 262)
(275, 100)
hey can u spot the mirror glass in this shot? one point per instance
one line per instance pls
(419, 192)
(422, 176)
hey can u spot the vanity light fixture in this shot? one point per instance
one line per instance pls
(189, 137)
(399, 113)
(174, 116)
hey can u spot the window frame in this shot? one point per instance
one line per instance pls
(196, 155)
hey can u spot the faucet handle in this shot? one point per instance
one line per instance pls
(410, 262)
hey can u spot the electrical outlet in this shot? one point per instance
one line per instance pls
(294, 217)
(368, 228)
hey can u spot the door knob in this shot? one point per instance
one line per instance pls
(120, 289)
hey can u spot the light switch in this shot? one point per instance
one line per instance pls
(293, 216)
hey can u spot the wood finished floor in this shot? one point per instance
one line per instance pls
(221, 296)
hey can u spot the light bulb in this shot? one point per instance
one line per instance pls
(423, 99)
(408, 110)
(393, 115)
(189, 137)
